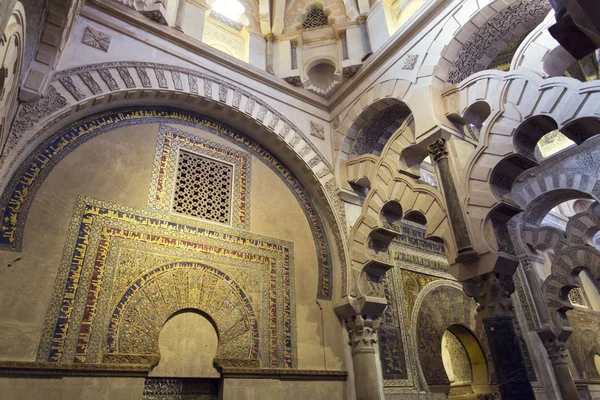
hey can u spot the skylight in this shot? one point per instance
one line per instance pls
(231, 9)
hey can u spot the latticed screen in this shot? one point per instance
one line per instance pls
(315, 18)
(203, 188)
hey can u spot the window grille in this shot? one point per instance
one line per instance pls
(315, 18)
(203, 188)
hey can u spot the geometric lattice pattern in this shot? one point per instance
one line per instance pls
(203, 188)
(576, 297)
(315, 18)
(180, 389)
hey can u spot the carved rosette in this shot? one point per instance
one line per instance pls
(363, 333)
(492, 292)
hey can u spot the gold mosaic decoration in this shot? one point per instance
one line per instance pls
(124, 271)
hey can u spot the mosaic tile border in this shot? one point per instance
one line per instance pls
(164, 171)
(79, 301)
(19, 193)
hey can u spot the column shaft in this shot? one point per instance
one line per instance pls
(458, 223)
(557, 354)
(363, 334)
(180, 14)
(509, 363)
(492, 291)
(269, 38)
(364, 34)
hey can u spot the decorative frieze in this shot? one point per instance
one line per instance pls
(90, 82)
(68, 83)
(108, 79)
(193, 82)
(177, 83)
(144, 78)
(126, 76)
(160, 77)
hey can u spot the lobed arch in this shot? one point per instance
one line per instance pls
(582, 227)
(376, 227)
(573, 252)
(144, 310)
(514, 97)
(400, 153)
(81, 92)
(566, 266)
(391, 184)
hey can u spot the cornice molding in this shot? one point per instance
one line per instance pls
(60, 369)
(283, 374)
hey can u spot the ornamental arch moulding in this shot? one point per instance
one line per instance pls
(514, 98)
(87, 90)
(474, 33)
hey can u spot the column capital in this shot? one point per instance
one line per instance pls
(361, 19)
(294, 43)
(342, 34)
(557, 351)
(438, 149)
(492, 292)
(269, 37)
(363, 333)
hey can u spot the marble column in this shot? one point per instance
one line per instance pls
(557, 354)
(180, 14)
(464, 248)
(492, 291)
(344, 40)
(270, 38)
(364, 34)
(363, 335)
(294, 45)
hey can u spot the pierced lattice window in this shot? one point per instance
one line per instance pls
(203, 188)
(576, 297)
(315, 18)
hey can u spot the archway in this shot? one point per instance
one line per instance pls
(188, 343)
(442, 309)
(464, 362)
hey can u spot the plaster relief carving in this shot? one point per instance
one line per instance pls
(143, 75)
(72, 88)
(410, 60)
(96, 39)
(317, 130)
(108, 79)
(30, 113)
